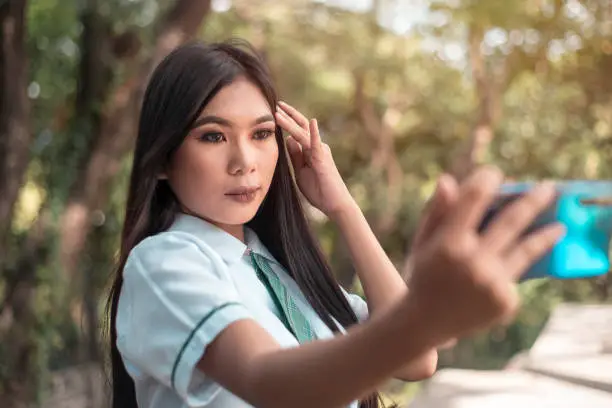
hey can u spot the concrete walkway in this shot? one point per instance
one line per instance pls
(574, 346)
(505, 389)
(569, 366)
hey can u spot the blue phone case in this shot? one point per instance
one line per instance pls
(585, 208)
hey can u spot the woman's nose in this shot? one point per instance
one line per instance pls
(242, 158)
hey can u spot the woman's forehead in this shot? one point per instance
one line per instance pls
(240, 99)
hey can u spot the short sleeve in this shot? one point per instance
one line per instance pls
(174, 302)
(359, 306)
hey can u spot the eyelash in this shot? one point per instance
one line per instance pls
(267, 133)
(207, 137)
(213, 137)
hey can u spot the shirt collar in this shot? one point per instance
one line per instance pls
(230, 248)
(256, 245)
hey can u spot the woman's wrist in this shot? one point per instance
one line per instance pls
(345, 213)
(407, 318)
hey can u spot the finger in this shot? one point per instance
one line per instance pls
(295, 153)
(288, 124)
(475, 195)
(532, 248)
(294, 114)
(508, 291)
(446, 194)
(448, 344)
(517, 216)
(438, 206)
(315, 140)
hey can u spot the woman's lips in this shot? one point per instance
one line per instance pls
(244, 194)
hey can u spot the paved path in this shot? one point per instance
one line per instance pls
(505, 389)
(575, 346)
(569, 366)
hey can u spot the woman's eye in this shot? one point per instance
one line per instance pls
(263, 134)
(212, 137)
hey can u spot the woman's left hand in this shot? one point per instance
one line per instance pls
(316, 173)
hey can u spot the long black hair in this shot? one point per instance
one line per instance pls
(179, 89)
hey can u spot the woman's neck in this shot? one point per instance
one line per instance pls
(237, 231)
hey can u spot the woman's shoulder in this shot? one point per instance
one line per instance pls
(170, 241)
(167, 241)
(171, 250)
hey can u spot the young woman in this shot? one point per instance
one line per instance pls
(222, 296)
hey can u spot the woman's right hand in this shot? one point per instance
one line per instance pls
(463, 281)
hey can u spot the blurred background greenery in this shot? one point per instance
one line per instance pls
(403, 90)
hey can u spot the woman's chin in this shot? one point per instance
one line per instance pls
(239, 216)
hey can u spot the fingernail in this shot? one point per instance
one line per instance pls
(442, 180)
(489, 174)
(547, 187)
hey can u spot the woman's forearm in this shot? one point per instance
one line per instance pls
(382, 284)
(334, 372)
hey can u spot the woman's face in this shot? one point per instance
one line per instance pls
(223, 169)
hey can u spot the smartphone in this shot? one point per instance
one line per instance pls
(585, 208)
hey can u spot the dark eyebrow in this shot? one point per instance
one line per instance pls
(224, 122)
(263, 119)
(210, 119)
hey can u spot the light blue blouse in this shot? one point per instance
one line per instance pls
(181, 288)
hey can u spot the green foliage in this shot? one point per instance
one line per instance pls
(555, 121)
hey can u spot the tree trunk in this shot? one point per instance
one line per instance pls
(117, 133)
(380, 130)
(14, 111)
(484, 83)
(93, 85)
(112, 133)
(18, 337)
(18, 343)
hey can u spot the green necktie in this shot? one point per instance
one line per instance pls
(291, 315)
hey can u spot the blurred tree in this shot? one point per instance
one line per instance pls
(15, 136)
(15, 132)
(115, 133)
(521, 84)
(105, 121)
